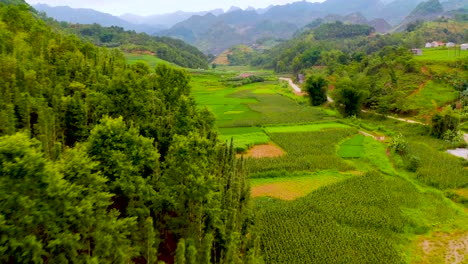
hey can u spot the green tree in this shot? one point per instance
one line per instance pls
(66, 205)
(444, 121)
(316, 87)
(350, 95)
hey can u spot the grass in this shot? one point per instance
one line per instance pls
(433, 95)
(306, 151)
(244, 137)
(250, 105)
(442, 54)
(294, 185)
(152, 60)
(352, 148)
(368, 219)
(305, 127)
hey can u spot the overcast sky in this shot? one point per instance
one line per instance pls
(149, 7)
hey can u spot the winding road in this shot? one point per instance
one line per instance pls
(296, 88)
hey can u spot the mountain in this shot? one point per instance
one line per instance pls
(90, 16)
(396, 11)
(455, 5)
(380, 25)
(432, 10)
(167, 20)
(215, 33)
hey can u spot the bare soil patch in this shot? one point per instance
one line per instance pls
(444, 248)
(276, 190)
(143, 52)
(265, 151)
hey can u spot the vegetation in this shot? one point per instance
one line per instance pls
(352, 148)
(113, 157)
(316, 87)
(303, 150)
(168, 49)
(361, 218)
(339, 30)
(106, 162)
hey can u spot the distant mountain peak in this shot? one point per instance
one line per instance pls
(233, 9)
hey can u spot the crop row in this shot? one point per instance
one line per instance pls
(305, 151)
(359, 220)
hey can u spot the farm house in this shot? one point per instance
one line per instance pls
(464, 46)
(417, 52)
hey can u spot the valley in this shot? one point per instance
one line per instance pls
(299, 195)
(330, 145)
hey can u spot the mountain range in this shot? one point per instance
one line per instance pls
(216, 30)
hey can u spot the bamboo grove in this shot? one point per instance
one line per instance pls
(103, 162)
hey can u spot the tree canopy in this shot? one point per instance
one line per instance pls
(103, 162)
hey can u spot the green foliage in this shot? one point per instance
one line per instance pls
(240, 55)
(341, 30)
(426, 8)
(399, 144)
(316, 87)
(76, 197)
(168, 49)
(121, 162)
(443, 122)
(350, 95)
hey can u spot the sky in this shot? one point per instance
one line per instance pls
(151, 7)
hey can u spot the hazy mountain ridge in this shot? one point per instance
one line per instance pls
(216, 30)
(90, 16)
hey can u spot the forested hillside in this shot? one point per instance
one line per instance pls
(169, 49)
(383, 64)
(103, 162)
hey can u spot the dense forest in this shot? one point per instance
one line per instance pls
(169, 49)
(103, 162)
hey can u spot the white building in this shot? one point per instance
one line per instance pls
(464, 46)
(428, 45)
(450, 45)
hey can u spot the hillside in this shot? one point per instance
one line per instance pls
(171, 50)
(214, 34)
(339, 145)
(95, 152)
(389, 67)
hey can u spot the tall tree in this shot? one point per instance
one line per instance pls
(316, 87)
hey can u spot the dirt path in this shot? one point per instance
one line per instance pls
(372, 136)
(397, 118)
(296, 88)
(422, 85)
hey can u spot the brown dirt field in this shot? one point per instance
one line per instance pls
(277, 190)
(143, 52)
(444, 248)
(222, 59)
(265, 151)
